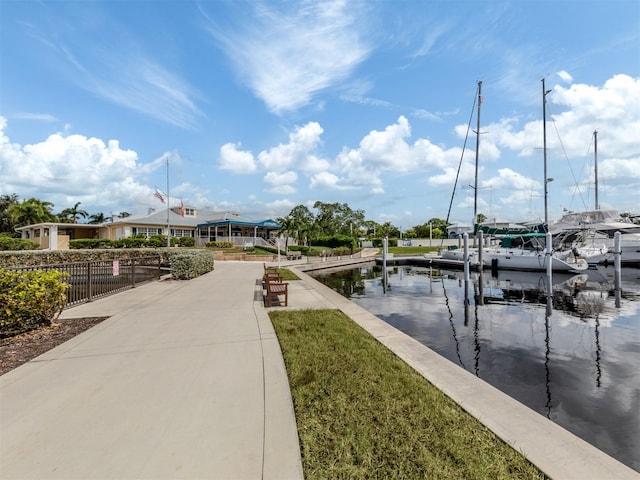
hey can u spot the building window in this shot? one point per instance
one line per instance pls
(179, 232)
(189, 212)
(147, 232)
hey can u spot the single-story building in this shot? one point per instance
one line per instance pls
(56, 236)
(202, 225)
(232, 227)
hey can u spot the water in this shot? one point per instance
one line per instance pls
(573, 356)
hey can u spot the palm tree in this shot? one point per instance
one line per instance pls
(73, 213)
(30, 212)
(287, 225)
(97, 218)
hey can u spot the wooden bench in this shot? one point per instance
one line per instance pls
(271, 273)
(275, 288)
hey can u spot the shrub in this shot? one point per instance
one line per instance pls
(88, 243)
(219, 245)
(131, 242)
(186, 242)
(9, 243)
(335, 241)
(189, 264)
(30, 299)
(342, 251)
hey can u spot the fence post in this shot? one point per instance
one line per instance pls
(133, 273)
(89, 282)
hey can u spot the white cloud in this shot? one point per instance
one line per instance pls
(285, 178)
(303, 141)
(283, 190)
(235, 160)
(281, 182)
(508, 179)
(288, 52)
(324, 180)
(118, 71)
(66, 169)
(565, 76)
(40, 117)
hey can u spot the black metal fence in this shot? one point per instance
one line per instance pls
(98, 278)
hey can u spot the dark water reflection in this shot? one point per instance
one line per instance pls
(570, 352)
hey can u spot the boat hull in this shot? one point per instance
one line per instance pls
(524, 260)
(517, 259)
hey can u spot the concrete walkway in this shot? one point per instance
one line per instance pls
(185, 380)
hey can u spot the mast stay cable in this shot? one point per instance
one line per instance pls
(464, 146)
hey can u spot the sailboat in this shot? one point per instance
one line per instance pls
(591, 232)
(524, 251)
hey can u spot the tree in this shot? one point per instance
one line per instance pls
(97, 218)
(303, 221)
(371, 228)
(435, 227)
(337, 218)
(387, 229)
(286, 230)
(481, 218)
(6, 201)
(30, 212)
(71, 214)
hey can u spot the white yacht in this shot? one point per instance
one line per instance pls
(591, 234)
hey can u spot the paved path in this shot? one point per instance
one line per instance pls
(185, 380)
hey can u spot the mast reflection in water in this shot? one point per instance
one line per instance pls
(569, 351)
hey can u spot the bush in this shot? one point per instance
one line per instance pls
(219, 245)
(131, 242)
(89, 243)
(9, 243)
(189, 264)
(30, 299)
(335, 241)
(186, 242)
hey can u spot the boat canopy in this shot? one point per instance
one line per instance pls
(525, 240)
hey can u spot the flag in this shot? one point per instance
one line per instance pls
(159, 196)
(181, 208)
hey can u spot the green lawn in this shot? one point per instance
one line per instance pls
(364, 413)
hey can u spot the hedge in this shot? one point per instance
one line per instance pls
(9, 243)
(30, 299)
(188, 264)
(131, 242)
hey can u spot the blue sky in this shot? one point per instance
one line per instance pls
(262, 106)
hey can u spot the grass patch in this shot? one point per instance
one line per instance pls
(364, 413)
(287, 274)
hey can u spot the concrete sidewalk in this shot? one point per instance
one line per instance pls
(184, 380)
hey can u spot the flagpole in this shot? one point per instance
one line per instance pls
(168, 207)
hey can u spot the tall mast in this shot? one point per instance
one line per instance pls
(168, 207)
(544, 150)
(595, 151)
(475, 187)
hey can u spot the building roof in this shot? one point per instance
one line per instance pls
(159, 217)
(231, 218)
(202, 218)
(60, 225)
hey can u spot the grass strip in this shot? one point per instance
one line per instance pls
(364, 413)
(287, 274)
